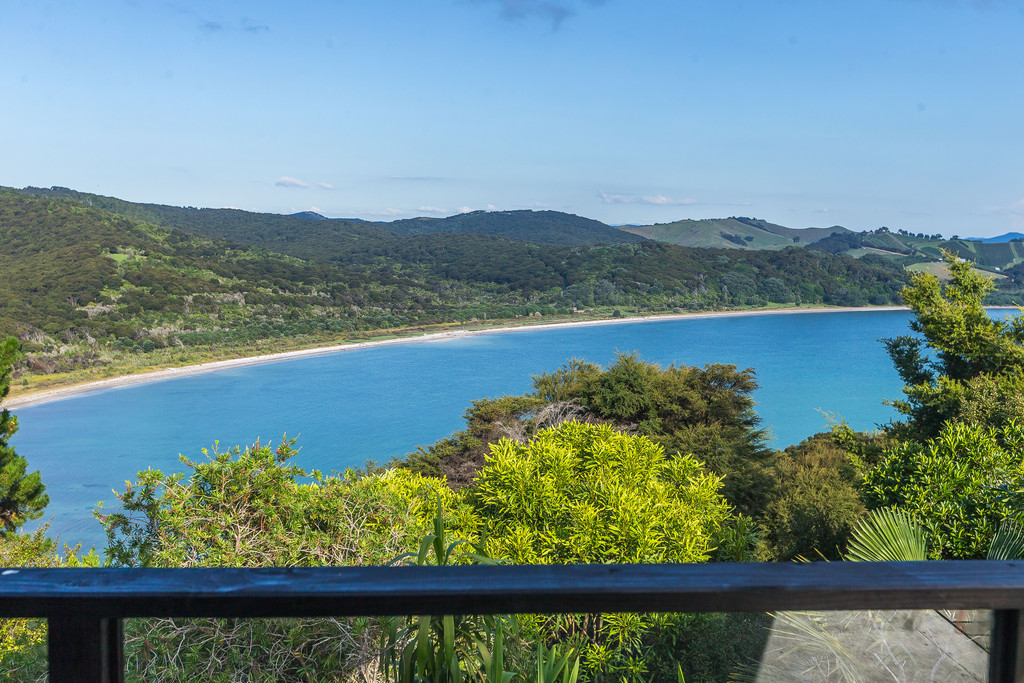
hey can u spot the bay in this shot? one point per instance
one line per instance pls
(377, 403)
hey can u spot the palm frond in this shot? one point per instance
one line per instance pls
(887, 535)
(1008, 543)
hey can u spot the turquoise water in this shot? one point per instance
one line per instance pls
(380, 402)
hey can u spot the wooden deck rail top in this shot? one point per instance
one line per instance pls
(85, 607)
(368, 591)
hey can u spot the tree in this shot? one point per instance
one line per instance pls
(21, 494)
(968, 366)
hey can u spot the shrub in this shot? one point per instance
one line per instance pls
(252, 507)
(583, 493)
(814, 502)
(960, 485)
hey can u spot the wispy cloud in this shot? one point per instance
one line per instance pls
(244, 24)
(285, 181)
(325, 186)
(1016, 212)
(466, 209)
(431, 209)
(386, 212)
(253, 27)
(553, 11)
(651, 199)
(658, 200)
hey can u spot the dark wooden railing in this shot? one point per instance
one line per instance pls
(85, 607)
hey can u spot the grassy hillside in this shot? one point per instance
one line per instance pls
(731, 233)
(1001, 255)
(988, 255)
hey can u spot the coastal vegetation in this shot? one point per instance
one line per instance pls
(98, 286)
(22, 494)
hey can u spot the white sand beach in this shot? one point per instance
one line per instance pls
(170, 373)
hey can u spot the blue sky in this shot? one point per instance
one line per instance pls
(904, 113)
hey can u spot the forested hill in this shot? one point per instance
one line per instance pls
(547, 227)
(305, 233)
(82, 285)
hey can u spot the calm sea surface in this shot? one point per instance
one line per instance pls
(381, 402)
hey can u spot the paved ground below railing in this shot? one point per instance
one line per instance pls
(870, 646)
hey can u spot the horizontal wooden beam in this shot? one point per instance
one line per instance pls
(368, 591)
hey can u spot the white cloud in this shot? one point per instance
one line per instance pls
(466, 209)
(326, 186)
(654, 200)
(386, 212)
(658, 200)
(285, 181)
(662, 200)
(1017, 215)
(1015, 211)
(315, 209)
(431, 209)
(490, 207)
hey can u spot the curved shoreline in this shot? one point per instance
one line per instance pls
(50, 395)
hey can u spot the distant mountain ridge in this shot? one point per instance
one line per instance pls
(1005, 237)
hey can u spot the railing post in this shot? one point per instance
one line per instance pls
(86, 650)
(1006, 652)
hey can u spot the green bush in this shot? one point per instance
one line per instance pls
(581, 493)
(705, 412)
(252, 507)
(961, 485)
(813, 504)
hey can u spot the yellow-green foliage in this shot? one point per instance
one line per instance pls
(418, 496)
(250, 508)
(581, 493)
